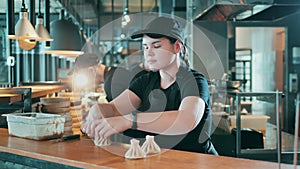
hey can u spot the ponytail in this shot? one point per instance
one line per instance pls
(184, 55)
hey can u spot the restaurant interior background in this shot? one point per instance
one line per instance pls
(257, 41)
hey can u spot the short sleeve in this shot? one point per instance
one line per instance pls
(202, 87)
(193, 83)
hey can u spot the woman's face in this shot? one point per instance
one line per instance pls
(159, 53)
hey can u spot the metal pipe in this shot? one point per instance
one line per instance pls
(296, 138)
(32, 12)
(10, 21)
(278, 126)
(47, 18)
(98, 14)
(10, 17)
(238, 126)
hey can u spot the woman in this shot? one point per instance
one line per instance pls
(171, 101)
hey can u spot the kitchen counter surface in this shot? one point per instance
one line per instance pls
(82, 153)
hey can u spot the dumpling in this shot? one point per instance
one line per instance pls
(135, 151)
(150, 146)
(101, 141)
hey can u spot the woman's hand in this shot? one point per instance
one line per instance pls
(98, 111)
(106, 127)
(93, 114)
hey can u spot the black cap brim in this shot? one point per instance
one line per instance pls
(139, 34)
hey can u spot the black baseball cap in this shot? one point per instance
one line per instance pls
(84, 61)
(162, 26)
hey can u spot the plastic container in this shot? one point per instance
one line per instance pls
(257, 122)
(37, 126)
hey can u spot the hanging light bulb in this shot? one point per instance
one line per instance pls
(26, 44)
(125, 17)
(24, 30)
(39, 27)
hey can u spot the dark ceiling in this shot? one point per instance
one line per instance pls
(88, 13)
(94, 13)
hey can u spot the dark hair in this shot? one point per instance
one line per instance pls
(183, 52)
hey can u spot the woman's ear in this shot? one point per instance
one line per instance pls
(177, 46)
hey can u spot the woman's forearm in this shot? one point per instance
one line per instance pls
(173, 122)
(167, 123)
(126, 102)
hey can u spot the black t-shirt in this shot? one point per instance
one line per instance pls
(117, 79)
(155, 99)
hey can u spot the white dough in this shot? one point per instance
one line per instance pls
(135, 151)
(150, 146)
(102, 142)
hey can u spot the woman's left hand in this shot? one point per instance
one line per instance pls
(93, 114)
(108, 126)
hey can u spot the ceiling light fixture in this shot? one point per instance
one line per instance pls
(67, 38)
(24, 30)
(39, 27)
(125, 17)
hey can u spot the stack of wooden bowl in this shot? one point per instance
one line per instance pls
(75, 110)
(59, 105)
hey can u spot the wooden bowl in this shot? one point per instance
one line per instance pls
(52, 100)
(55, 110)
(65, 104)
(69, 94)
(74, 97)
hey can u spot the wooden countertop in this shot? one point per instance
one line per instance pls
(37, 91)
(83, 153)
(42, 90)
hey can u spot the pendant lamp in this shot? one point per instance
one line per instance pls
(24, 30)
(39, 27)
(26, 44)
(125, 17)
(67, 38)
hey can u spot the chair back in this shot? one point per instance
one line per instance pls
(24, 104)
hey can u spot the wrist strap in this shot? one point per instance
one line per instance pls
(134, 122)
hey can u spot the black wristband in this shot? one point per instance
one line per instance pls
(134, 123)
